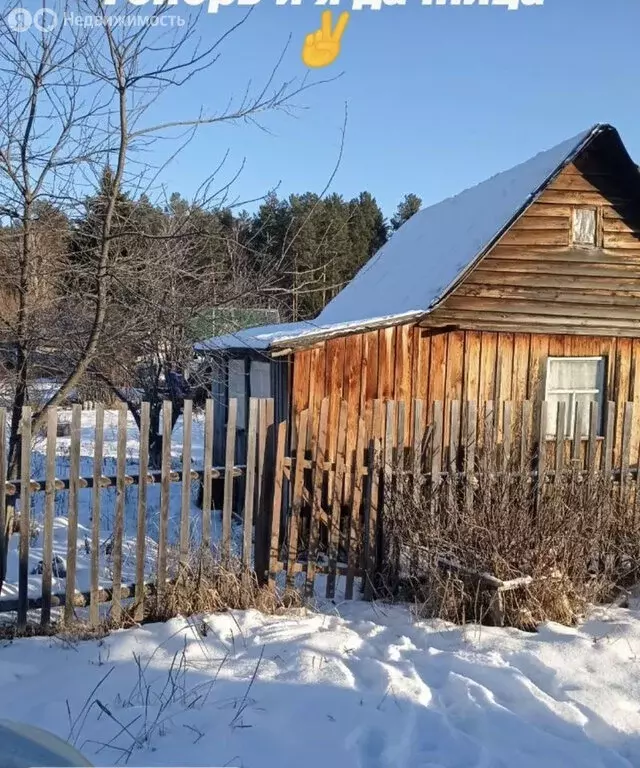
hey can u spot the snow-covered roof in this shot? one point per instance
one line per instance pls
(267, 336)
(421, 262)
(259, 338)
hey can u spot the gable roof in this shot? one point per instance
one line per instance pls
(430, 254)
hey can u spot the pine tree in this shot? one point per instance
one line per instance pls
(409, 206)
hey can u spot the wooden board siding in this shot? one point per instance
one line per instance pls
(451, 365)
(535, 279)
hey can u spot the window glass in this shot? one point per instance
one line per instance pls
(577, 382)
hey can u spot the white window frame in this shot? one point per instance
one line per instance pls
(572, 392)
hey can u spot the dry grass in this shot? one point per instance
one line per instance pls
(204, 585)
(201, 585)
(577, 538)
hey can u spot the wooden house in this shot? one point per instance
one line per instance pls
(525, 287)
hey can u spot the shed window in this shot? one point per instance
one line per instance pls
(238, 389)
(260, 379)
(584, 226)
(574, 380)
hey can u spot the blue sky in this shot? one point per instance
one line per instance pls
(438, 98)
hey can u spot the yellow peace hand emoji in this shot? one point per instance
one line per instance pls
(322, 47)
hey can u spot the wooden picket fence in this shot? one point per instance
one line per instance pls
(310, 504)
(336, 496)
(253, 474)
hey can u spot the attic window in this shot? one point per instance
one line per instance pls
(584, 226)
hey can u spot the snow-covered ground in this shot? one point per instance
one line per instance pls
(355, 685)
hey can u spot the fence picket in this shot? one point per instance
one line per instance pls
(25, 514)
(72, 532)
(165, 498)
(118, 523)
(592, 446)
(264, 481)
(389, 436)
(560, 438)
(207, 479)
(373, 494)
(3, 492)
(336, 501)
(436, 450)
(417, 452)
(250, 488)
(141, 532)
(49, 509)
(400, 442)
(454, 449)
(607, 448)
(276, 513)
(317, 478)
(576, 443)
(507, 436)
(296, 502)
(185, 496)
(355, 527)
(94, 607)
(541, 454)
(471, 424)
(229, 466)
(526, 414)
(625, 455)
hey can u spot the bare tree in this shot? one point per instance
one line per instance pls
(74, 100)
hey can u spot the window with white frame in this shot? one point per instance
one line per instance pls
(584, 226)
(574, 381)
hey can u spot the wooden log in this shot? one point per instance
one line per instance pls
(49, 510)
(141, 531)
